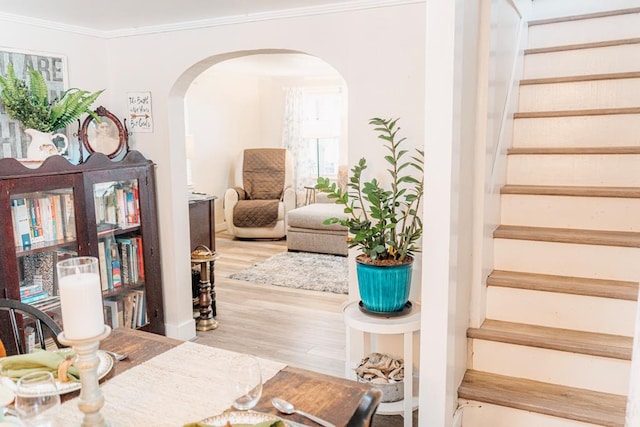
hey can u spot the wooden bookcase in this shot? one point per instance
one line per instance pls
(100, 208)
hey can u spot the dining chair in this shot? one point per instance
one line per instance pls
(363, 417)
(45, 327)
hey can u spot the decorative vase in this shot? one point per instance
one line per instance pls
(384, 288)
(42, 146)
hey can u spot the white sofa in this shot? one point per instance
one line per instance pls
(306, 233)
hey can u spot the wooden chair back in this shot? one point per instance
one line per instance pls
(20, 314)
(363, 417)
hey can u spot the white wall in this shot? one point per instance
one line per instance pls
(224, 116)
(503, 38)
(165, 64)
(472, 51)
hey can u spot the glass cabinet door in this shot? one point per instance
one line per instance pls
(120, 250)
(44, 232)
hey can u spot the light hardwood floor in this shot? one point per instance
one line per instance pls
(297, 327)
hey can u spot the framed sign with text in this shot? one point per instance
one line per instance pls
(140, 115)
(53, 67)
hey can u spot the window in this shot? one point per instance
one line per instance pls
(321, 123)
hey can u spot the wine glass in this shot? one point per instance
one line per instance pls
(247, 380)
(37, 399)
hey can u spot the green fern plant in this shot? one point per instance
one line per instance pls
(30, 105)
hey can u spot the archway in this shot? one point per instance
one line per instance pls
(245, 102)
(213, 158)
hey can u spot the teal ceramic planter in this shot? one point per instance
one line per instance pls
(384, 289)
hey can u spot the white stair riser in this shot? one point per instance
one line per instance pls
(551, 366)
(558, 310)
(580, 62)
(565, 259)
(591, 213)
(482, 414)
(596, 94)
(585, 31)
(581, 170)
(619, 130)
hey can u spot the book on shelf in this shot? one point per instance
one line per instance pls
(46, 219)
(38, 296)
(26, 290)
(111, 312)
(21, 222)
(116, 270)
(39, 218)
(125, 260)
(131, 259)
(69, 214)
(141, 313)
(36, 231)
(58, 216)
(128, 310)
(49, 303)
(102, 262)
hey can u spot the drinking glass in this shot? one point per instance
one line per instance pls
(37, 399)
(247, 380)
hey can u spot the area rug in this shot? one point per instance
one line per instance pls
(301, 270)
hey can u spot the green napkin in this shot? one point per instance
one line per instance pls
(277, 423)
(40, 360)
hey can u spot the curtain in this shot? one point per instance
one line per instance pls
(304, 163)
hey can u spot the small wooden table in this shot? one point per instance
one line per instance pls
(332, 398)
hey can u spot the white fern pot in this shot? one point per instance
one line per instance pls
(42, 146)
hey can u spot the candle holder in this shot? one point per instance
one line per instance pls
(87, 361)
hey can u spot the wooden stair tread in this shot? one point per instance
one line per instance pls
(591, 343)
(581, 78)
(578, 46)
(628, 239)
(581, 17)
(603, 288)
(560, 401)
(576, 191)
(572, 113)
(574, 150)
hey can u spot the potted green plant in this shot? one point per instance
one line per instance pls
(30, 105)
(383, 222)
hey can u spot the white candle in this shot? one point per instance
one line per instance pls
(81, 304)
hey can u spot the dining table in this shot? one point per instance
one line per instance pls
(169, 382)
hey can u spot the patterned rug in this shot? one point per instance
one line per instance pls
(301, 270)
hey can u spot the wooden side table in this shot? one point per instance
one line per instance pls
(360, 323)
(204, 257)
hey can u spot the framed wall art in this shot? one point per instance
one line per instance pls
(13, 140)
(106, 135)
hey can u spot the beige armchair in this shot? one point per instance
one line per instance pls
(257, 207)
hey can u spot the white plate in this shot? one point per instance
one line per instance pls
(249, 417)
(105, 365)
(6, 396)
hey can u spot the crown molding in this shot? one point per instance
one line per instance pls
(52, 25)
(213, 22)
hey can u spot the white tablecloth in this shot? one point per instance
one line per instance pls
(187, 383)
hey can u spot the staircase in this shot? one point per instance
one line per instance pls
(555, 348)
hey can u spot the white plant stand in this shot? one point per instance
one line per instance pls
(360, 323)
